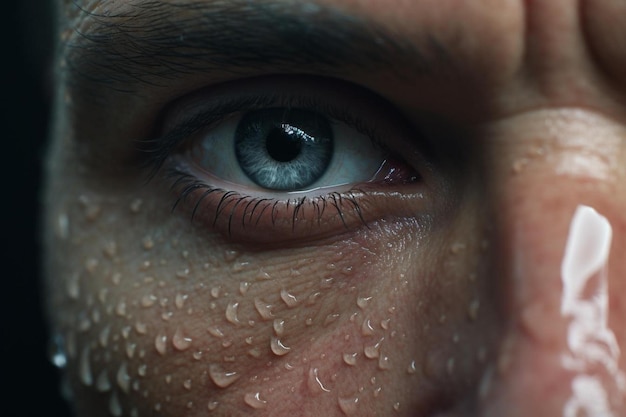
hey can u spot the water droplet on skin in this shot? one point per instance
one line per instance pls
(279, 327)
(142, 370)
(384, 363)
(244, 287)
(122, 378)
(396, 406)
(254, 400)
(315, 385)
(222, 378)
(180, 299)
(147, 242)
(326, 283)
(86, 376)
(373, 351)
(348, 405)
(168, 379)
(187, 384)
(84, 323)
(103, 384)
(350, 358)
(141, 328)
(377, 391)
(167, 315)
(215, 331)
(472, 309)
(362, 302)
(56, 351)
(313, 297)
(231, 313)
(130, 350)
(180, 341)
(197, 355)
(330, 318)
(212, 405)
(412, 368)
(157, 407)
(264, 309)
(289, 299)
(366, 328)
(115, 408)
(278, 347)
(160, 343)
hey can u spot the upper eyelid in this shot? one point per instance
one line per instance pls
(187, 121)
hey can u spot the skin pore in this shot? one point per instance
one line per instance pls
(431, 287)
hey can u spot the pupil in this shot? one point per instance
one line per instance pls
(283, 146)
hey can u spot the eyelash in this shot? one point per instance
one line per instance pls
(213, 203)
(190, 183)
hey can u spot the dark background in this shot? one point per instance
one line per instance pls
(26, 90)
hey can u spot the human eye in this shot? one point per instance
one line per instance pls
(274, 159)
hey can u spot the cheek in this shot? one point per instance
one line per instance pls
(159, 319)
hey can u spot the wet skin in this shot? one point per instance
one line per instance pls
(437, 296)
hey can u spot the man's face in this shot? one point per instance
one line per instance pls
(339, 208)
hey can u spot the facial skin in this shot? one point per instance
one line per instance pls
(444, 295)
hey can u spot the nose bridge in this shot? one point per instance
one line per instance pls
(554, 180)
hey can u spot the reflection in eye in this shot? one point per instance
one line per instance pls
(290, 157)
(287, 150)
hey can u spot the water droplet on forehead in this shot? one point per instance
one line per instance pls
(180, 300)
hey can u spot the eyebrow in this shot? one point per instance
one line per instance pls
(153, 42)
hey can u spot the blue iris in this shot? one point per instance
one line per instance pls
(284, 149)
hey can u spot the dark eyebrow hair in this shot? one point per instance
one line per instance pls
(151, 42)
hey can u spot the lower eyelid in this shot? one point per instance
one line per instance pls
(262, 219)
